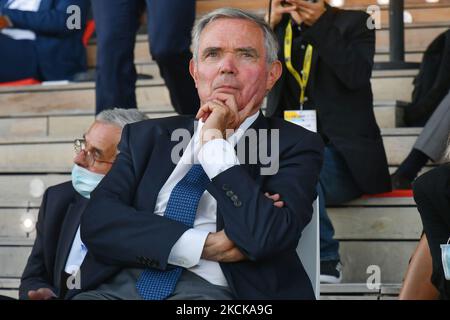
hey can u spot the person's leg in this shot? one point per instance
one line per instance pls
(336, 186)
(433, 139)
(18, 59)
(116, 26)
(417, 283)
(430, 144)
(169, 28)
(192, 287)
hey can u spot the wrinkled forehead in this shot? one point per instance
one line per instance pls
(232, 32)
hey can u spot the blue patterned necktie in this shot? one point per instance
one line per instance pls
(182, 206)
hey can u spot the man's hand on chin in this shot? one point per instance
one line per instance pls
(220, 114)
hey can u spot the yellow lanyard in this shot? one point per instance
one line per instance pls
(303, 78)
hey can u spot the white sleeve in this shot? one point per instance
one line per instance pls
(186, 252)
(216, 156)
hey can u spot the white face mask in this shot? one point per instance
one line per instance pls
(445, 250)
(85, 181)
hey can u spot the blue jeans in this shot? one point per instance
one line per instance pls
(336, 186)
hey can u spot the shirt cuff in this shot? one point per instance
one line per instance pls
(186, 252)
(216, 156)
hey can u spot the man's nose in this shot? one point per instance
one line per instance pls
(80, 160)
(228, 65)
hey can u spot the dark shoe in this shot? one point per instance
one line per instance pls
(400, 182)
(330, 271)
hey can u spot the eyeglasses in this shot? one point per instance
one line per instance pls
(79, 145)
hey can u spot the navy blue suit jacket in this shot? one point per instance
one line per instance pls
(58, 221)
(60, 51)
(120, 228)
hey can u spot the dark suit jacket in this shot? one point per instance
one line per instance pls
(58, 221)
(60, 50)
(339, 88)
(120, 228)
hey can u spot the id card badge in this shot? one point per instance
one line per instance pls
(305, 118)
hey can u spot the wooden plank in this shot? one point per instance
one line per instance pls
(388, 116)
(391, 289)
(348, 297)
(48, 158)
(26, 190)
(10, 293)
(392, 88)
(347, 288)
(23, 127)
(390, 256)
(397, 148)
(9, 283)
(410, 57)
(69, 126)
(12, 224)
(150, 97)
(382, 201)
(376, 223)
(408, 4)
(416, 39)
(55, 155)
(13, 260)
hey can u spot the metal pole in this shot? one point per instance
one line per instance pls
(396, 31)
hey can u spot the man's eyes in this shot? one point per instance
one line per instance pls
(247, 55)
(211, 54)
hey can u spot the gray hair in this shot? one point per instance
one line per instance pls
(120, 117)
(270, 40)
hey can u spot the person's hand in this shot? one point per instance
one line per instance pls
(4, 22)
(41, 294)
(218, 247)
(276, 199)
(307, 12)
(220, 114)
(279, 7)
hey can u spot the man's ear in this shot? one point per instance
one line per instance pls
(193, 71)
(275, 71)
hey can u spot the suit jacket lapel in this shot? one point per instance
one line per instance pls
(67, 234)
(252, 168)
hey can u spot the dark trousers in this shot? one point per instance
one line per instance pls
(432, 195)
(169, 31)
(18, 59)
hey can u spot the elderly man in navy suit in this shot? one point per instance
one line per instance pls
(200, 226)
(58, 252)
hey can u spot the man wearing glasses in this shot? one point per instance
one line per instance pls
(58, 251)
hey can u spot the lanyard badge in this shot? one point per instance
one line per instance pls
(304, 118)
(302, 78)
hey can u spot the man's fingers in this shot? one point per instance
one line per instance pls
(245, 112)
(279, 204)
(32, 294)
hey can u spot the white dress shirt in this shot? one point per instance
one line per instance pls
(22, 5)
(76, 256)
(215, 157)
